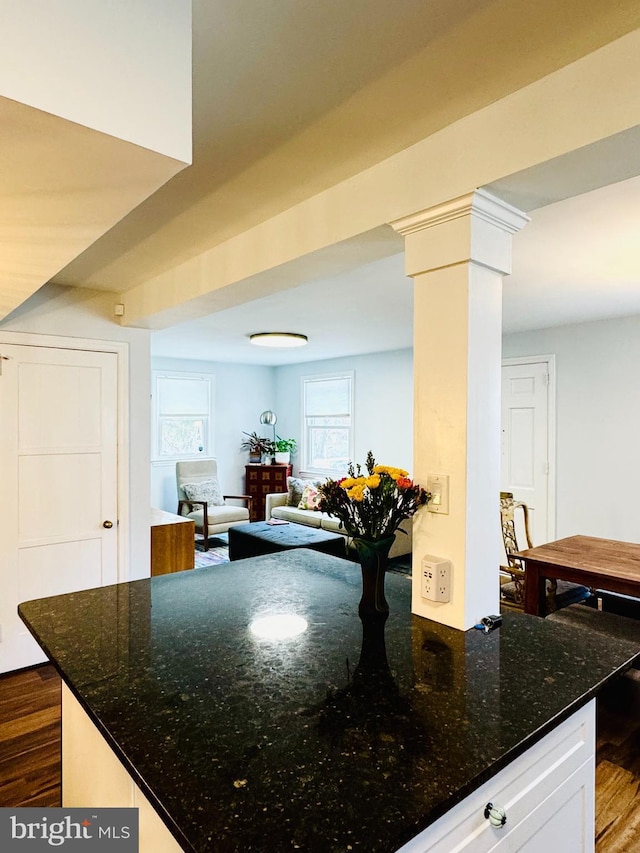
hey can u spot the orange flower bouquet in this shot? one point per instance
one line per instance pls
(372, 506)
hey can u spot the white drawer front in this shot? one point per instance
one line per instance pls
(551, 785)
(563, 823)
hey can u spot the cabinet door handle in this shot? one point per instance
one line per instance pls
(495, 815)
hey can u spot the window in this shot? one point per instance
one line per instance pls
(327, 422)
(182, 415)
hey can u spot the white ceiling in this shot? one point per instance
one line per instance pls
(577, 260)
(265, 77)
(291, 97)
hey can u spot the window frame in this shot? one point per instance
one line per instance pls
(306, 465)
(208, 448)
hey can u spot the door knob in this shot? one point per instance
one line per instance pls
(107, 524)
(495, 815)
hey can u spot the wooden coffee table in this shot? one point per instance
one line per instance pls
(598, 563)
(260, 537)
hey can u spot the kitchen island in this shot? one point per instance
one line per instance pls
(342, 737)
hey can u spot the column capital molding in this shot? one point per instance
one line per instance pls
(479, 204)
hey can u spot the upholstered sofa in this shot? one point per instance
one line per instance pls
(276, 507)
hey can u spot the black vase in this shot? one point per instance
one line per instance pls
(373, 555)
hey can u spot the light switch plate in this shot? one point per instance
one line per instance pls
(438, 485)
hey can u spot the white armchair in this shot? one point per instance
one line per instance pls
(200, 498)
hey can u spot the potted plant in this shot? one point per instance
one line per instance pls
(257, 446)
(284, 447)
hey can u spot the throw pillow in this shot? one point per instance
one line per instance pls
(296, 487)
(207, 490)
(310, 498)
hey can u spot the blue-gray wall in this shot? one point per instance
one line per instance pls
(597, 416)
(383, 411)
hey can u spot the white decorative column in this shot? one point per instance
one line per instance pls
(457, 254)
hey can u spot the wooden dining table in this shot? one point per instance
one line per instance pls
(596, 563)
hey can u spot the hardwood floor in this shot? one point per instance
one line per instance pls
(618, 767)
(30, 752)
(30, 738)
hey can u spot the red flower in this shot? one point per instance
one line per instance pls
(372, 507)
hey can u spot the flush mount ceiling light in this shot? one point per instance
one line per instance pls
(278, 339)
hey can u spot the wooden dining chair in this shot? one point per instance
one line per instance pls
(514, 517)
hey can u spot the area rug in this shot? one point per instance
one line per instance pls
(218, 552)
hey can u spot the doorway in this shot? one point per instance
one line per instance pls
(59, 527)
(528, 439)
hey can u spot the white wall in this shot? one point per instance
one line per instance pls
(242, 392)
(121, 68)
(383, 404)
(598, 418)
(75, 313)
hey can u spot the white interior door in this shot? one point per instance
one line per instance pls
(526, 462)
(58, 503)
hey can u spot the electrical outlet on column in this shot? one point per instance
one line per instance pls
(436, 579)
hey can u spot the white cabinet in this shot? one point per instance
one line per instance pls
(547, 794)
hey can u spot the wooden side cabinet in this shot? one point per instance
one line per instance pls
(262, 480)
(172, 543)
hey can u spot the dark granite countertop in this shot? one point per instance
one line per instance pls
(331, 741)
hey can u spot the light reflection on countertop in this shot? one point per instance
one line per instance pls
(278, 626)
